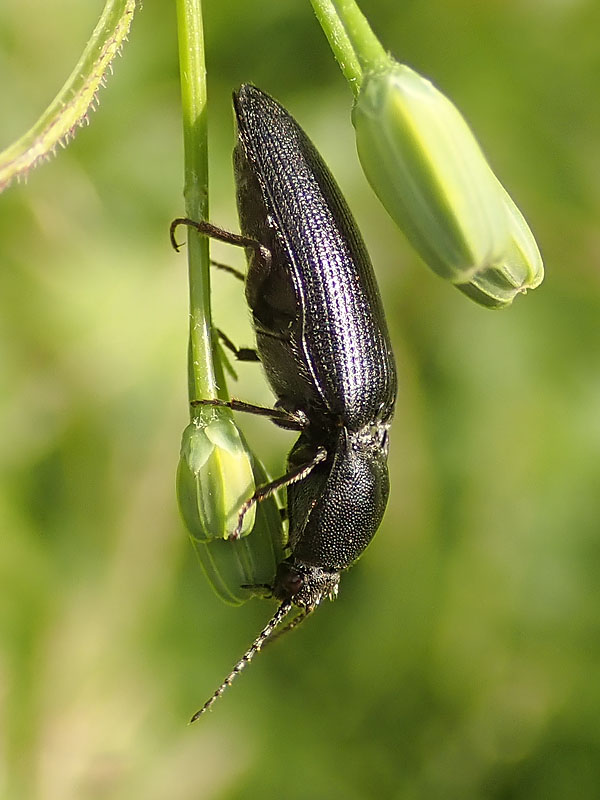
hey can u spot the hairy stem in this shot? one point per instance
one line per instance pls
(69, 109)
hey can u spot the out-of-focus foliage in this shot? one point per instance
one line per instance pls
(462, 657)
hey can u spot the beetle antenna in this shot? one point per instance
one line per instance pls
(293, 623)
(256, 646)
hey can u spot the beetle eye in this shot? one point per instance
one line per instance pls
(288, 581)
(293, 583)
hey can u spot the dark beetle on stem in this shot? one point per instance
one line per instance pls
(323, 342)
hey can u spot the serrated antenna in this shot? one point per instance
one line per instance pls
(293, 623)
(260, 640)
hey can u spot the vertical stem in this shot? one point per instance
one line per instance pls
(204, 376)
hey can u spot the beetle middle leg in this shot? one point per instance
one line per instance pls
(237, 273)
(241, 353)
(292, 476)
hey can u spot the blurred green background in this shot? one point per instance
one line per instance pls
(462, 657)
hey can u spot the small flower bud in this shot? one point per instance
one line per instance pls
(428, 170)
(214, 478)
(216, 474)
(240, 569)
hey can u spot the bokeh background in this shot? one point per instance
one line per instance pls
(462, 657)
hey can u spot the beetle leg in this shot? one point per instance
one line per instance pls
(262, 253)
(237, 273)
(292, 476)
(241, 353)
(290, 420)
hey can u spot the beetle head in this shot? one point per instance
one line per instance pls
(303, 584)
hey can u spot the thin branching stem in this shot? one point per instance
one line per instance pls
(71, 106)
(354, 45)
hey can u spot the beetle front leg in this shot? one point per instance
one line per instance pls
(292, 476)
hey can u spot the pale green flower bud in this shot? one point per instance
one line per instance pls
(233, 566)
(216, 474)
(521, 267)
(429, 172)
(214, 477)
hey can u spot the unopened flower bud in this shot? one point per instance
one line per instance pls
(428, 170)
(240, 569)
(214, 478)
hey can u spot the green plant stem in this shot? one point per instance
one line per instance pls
(70, 107)
(204, 377)
(354, 45)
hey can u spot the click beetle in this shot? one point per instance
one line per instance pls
(323, 342)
